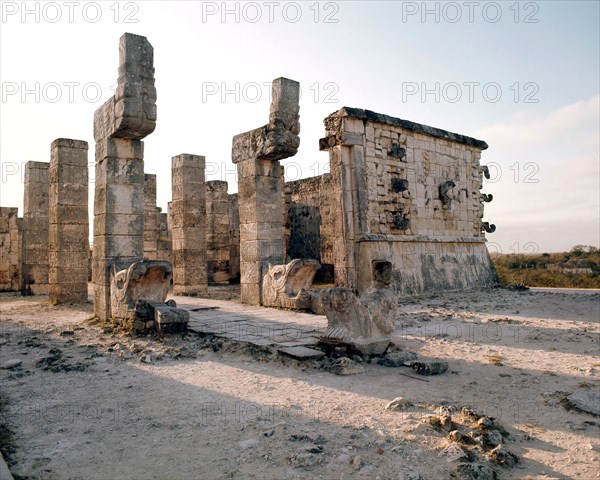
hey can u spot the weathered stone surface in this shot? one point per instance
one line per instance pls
(301, 353)
(11, 242)
(119, 126)
(288, 285)
(365, 323)
(188, 225)
(147, 280)
(234, 238)
(587, 401)
(68, 246)
(345, 366)
(429, 368)
(217, 232)
(260, 186)
(396, 358)
(35, 227)
(408, 193)
(151, 218)
(131, 112)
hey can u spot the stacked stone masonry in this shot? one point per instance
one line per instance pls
(234, 238)
(68, 246)
(35, 227)
(410, 194)
(119, 126)
(11, 241)
(217, 232)
(188, 225)
(151, 218)
(260, 187)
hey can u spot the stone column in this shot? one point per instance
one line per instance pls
(187, 212)
(164, 245)
(234, 238)
(217, 232)
(35, 227)
(260, 186)
(68, 246)
(150, 218)
(10, 249)
(119, 126)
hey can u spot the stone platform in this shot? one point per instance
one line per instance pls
(283, 330)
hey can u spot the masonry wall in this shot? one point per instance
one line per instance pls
(10, 249)
(407, 196)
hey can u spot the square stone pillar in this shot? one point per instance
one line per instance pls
(234, 237)
(10, 249)
(35, 227)
(118, 214)
(68, 247)
(187, 212)
(261, 241)
(217, 232)
(119, 125)
(151, 216)
(260, 187)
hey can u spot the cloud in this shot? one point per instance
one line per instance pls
(526, 129)
(548, 185)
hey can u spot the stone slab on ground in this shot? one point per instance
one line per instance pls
(258, 326)
(301, 353)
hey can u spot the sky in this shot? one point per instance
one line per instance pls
(523, 76)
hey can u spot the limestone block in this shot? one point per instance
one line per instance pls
(362, 322)
(288, 285)
(144, 280)
(131, 113)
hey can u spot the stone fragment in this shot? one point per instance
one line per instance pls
(429, 368)
(345, 366)
(473, 471)
(586, 401)
(9, 364)
(453, 453)
(170, 319)
(398, 404)
(301, 353)
(502, 456)
(396, 358)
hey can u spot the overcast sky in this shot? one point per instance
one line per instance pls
(523, 76)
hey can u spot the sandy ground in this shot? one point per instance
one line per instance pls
(89, 402)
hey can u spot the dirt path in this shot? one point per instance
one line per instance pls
(91, 403)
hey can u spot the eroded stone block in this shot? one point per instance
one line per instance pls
(288, 285)
(146, 280)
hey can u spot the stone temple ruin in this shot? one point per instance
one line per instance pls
(399, 213)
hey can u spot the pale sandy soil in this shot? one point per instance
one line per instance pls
(96, 409)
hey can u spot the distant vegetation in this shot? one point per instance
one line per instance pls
(578, 268)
